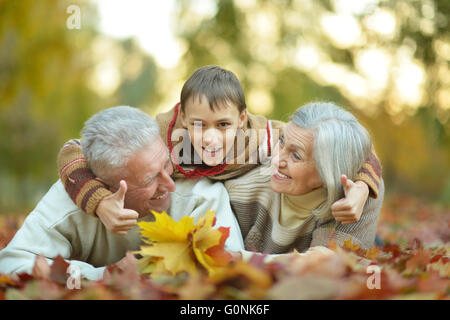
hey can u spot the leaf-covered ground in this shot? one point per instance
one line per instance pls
(412, 256)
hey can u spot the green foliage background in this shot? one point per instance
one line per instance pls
(46, 90)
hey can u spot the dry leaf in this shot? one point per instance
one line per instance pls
(176, 247)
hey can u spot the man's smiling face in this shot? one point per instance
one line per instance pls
(148, 179)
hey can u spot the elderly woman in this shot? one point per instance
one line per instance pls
(291, 209)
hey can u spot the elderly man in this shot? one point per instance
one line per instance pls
(123, 148)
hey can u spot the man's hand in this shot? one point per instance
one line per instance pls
(41, 268)
(113, 215)
(349, 209)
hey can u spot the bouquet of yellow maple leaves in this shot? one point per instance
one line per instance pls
(183, 246)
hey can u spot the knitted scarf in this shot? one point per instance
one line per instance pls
(254, 154)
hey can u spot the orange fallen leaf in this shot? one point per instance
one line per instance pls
(348, 244)
(372, 253)
(6, 280)
(419, 260)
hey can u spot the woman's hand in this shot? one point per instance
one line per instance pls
(112, 213)
(349, 209)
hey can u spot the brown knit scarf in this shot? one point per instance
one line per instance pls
(243, 161)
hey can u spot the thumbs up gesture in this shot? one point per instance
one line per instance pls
(112, 213)
(349, 209)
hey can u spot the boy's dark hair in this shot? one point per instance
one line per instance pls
(217, 84)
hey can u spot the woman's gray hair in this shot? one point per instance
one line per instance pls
(341, 145)
(112, 136)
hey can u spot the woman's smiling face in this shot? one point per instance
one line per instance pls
(296, 172)
(212, 132)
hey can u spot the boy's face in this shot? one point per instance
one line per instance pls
(212, 132)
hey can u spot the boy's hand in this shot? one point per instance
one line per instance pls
(113, 215)
(349, 209)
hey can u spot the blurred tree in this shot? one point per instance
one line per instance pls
(43, 95)
(52, 79)
(138, 87)
(387, 61)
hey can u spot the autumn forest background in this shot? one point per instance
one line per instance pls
(385, 61)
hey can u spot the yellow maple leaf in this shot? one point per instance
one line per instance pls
(182, 246)
(204, 238)
(165, 229)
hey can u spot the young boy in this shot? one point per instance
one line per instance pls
(210, 118)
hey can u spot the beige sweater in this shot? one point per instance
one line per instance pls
(257, 209)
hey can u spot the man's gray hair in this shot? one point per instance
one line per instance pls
(341, 145)
(112, 136)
